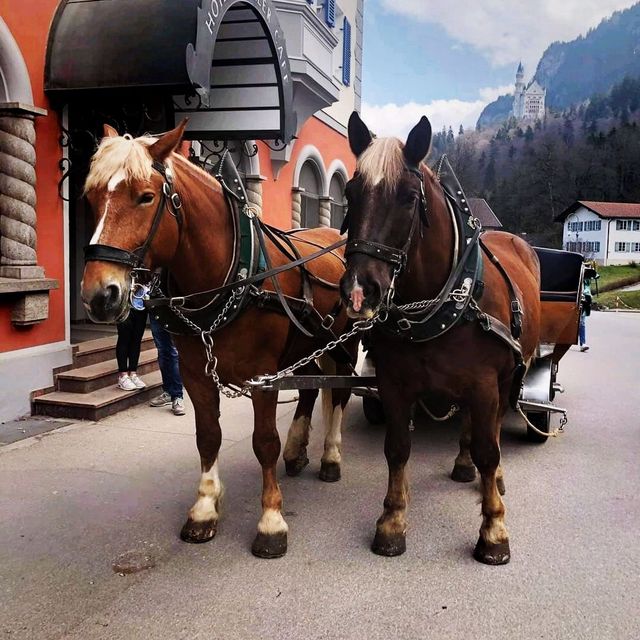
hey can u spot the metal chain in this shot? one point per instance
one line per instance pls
(266, 380)
(211, 366)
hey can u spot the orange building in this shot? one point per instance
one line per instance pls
(272, 80)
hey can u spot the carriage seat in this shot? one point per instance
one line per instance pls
(560, 275)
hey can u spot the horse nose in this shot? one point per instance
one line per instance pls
(105, 302)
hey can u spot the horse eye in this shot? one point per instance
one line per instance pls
(146, 198)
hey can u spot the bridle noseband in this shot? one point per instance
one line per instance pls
(169, 200)
(397, 258)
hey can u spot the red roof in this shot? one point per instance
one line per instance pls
(605, 209)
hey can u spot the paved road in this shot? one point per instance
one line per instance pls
(73, 501)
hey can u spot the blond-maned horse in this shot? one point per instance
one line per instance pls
(124, 188)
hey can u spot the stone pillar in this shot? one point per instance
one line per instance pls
(253, 184)
(296, 208)
(324, 217)
(18, 258)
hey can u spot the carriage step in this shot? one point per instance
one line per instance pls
(102, 374)
(97, 404)
(101, 349)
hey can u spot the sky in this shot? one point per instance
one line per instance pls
(448, 59)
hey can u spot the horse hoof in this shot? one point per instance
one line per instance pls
(294, 467)
(492, 554)
(269, 545)
(500, 484)
(385, 545)
(198, 532)
(463, 473)
(329, 472)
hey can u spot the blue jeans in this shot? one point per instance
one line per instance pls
(582, 334)
(167, 359)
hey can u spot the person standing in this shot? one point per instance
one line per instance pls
(587, 298)
(130, 332)
(172, 390)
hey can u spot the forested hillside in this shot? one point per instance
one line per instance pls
(529, 174)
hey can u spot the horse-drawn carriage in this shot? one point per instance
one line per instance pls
(450, 310)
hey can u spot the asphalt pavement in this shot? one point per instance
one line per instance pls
(79, 503)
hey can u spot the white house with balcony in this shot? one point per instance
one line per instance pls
(607, 232)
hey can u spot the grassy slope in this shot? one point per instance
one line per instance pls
(629, 298)
(617, 276)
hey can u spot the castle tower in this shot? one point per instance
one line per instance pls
(518, 99)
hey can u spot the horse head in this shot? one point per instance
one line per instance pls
(126, 189)
(386, 202)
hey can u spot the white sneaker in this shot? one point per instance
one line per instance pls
(126, 383)
(177, 406)
(584, 347)
(137, 381)
(160, 401)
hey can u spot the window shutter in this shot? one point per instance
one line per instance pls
(330, 12)
(346, 53)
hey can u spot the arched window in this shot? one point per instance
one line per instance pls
(310, 198)
(338, 201)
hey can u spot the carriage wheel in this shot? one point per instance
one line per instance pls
(541, 420)
(373, 411)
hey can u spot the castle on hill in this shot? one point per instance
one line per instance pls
(528, 101)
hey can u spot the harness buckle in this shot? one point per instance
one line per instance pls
(515, 306)
(177, 302)
(176, 201)
(328, 321)
(404, 324)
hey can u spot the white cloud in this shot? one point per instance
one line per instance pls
(398, 119)
(506, 31)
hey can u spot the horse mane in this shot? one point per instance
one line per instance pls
(383, 162)
(120, 154)
(129, 157)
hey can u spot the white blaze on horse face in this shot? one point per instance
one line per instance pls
(209, 492)
(357, 295)
(95, 238)
(115, 180)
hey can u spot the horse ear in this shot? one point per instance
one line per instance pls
(167, 143)
(359, 135)
(418, 142)
(109, 132)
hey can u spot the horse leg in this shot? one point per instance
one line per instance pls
(202, 521)
(295, 450)
(493, 543)
(391, 527)
(463, 468)
(271, 539)
(333, 404)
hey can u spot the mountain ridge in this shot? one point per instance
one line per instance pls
(574, 71)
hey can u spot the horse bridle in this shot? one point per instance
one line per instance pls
(169, 201)
(397, 258)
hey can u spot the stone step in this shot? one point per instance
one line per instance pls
(97, 404)
(102, 374)
(101, 349)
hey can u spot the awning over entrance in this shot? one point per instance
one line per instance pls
(230, 53)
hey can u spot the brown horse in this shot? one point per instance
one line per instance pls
(404, 244)
(124, 187)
